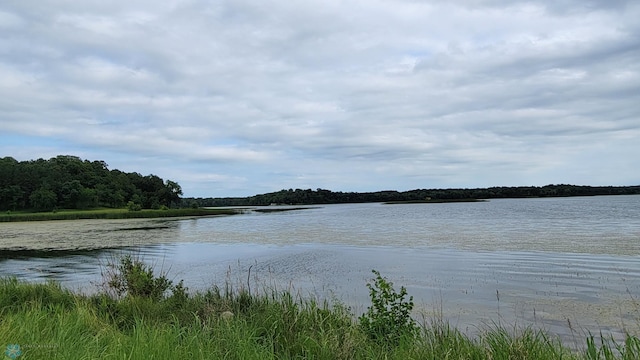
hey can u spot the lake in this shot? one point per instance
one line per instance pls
(567, 265)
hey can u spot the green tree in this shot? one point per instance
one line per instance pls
(173, 191)
(11, 197)
(70, 193)
(78, 183)
(87, 198)
(43, 199)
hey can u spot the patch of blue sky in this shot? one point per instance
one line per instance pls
(9, 140)
(24, 148)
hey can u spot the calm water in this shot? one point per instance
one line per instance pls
(568, 265)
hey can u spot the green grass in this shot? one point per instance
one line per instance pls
(110, 214)
(49, 322)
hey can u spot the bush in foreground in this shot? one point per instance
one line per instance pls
(388, 320)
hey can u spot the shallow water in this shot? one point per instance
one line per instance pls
(568, 265)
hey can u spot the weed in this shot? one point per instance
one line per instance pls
(611, 349)
(269, 325)
(388, 319)
(132, 277)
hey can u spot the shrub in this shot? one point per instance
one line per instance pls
(132, 206)
(388, 319)
(132, 277)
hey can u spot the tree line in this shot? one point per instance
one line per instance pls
(322, 196)
(68, 182)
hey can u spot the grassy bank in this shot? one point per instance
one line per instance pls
(142, 316)
(110, 214)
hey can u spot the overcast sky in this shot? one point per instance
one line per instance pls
(240, 97)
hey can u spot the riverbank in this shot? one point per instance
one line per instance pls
(111, 214)
(46, 321)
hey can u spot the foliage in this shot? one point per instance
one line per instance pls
(388, 319)
(131, 206)
(12, 197)
(132, 277)
(68, 182)
(43, 199)
(16, 295)
(322, 196)
(266, 325)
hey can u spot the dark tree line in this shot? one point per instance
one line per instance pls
(68, 182)
(321, 196)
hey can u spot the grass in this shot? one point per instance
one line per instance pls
(50, 322)
(110, 214)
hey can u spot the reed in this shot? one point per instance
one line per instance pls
(111, 214)
(49, 322)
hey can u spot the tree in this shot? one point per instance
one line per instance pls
(10, 197)
(78, 183)
(43, 199)
(173, 193)
(87, 199)
(7, 170)
(70, 193)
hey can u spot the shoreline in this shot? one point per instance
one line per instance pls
(112, 214)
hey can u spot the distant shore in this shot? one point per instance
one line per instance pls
(433, 201)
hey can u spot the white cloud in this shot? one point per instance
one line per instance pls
(352, 95)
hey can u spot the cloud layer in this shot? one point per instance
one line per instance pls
(242, 97)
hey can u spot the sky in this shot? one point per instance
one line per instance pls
(242, 97)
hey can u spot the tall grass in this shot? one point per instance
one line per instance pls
(110, 214)
(49, 322)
